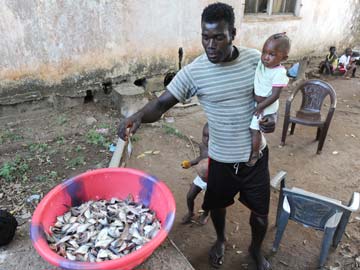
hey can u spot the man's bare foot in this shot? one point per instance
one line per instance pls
(204, 218)
(260, 260)
(216, 254)
(187, 218)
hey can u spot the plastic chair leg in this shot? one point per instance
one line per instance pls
(322, 140)
(285, 129)
(280, 203)
(318, 134)
(292, 128)
(341, 228)
(327, 240)
(281, 225)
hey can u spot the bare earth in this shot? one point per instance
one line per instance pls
(56, 146)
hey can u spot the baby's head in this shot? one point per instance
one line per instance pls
(276, 49)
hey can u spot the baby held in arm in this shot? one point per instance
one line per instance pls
(270, 79)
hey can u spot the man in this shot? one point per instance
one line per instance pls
(347, 63)
(222, 79)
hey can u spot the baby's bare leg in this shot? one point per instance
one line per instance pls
(255, 150)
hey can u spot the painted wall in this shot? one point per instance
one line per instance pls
(320, 24)
(53, 39)
(50, 42)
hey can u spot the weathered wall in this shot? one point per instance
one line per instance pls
(53, 39)
(67, 47)
(320, 24)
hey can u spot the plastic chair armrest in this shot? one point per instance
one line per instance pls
(277, 179)
(355, 202)
(334, 220)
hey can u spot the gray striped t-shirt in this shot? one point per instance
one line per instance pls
(225, 91)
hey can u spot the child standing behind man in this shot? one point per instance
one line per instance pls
(270, 78)
(198, 184)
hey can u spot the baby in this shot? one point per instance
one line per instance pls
(270, 78)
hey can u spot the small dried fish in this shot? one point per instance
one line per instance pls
(103, 230)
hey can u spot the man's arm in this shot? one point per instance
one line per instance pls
(268, 122)
(150, 113)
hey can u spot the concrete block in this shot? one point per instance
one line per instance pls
(154, 84)
(128, 98)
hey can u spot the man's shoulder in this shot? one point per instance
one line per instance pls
(199, 60)
(249, 52)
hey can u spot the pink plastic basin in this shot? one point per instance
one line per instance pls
(96, 185)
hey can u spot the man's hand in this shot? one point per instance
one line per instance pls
(268, 123)
(129, 126)
(150, 113)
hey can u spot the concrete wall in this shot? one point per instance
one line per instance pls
(54, 39)
(320, 24)
(68, 46)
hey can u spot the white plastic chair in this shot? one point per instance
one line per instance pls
(312, 210)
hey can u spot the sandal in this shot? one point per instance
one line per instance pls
(216, 259)
(204, 218)
(187, 218)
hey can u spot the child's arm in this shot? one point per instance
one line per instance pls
(203, 154)
(265, 102)
(186, 164)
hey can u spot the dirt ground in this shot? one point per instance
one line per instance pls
(41, 149)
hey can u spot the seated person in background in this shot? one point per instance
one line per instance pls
(330, 63)
(347, 64)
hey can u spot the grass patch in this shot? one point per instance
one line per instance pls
(61, 120)
(173, 131)
(49, 176)
(78, 161)
(14, 170)
(104, 125)
(60, 140)
(10, 136)
(53, 175)
(38, 147)
(96, 138)
(79, 148)
(135, 138)
(41, 178)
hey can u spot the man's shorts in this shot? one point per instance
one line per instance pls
(225, 180)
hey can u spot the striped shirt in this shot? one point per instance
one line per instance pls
(225, 91)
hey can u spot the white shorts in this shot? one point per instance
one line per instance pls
(200, 183)
(273, 108)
